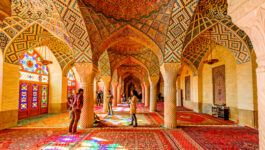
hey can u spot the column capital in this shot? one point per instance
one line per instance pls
(170, 70)
(154, 79)
(86, 71)
(146, 83)
(113, 83)
(106, 79)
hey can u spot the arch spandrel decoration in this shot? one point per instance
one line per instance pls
(13, 26)
(32, 37)
(70, 13)
(225, 32)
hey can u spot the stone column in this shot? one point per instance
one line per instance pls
(250, 18)
(143, 92)
(114, 92)
(179, 92)
(87, 72)
(169, 72)
(106, 80)
(147, 90)
(119, 94)
(153, 93)
(95, 90)
(261, 102)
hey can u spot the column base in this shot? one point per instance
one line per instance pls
(170, 125)
(85, 126)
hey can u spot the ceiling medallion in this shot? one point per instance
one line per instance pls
(127, 10)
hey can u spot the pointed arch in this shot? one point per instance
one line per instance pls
(126, 32)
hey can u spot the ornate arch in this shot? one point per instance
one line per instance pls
(33, 37)
(213, 15)
(126, 32)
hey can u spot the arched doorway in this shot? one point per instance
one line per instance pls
(34, 86)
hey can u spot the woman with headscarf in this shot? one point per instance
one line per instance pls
(133, 102)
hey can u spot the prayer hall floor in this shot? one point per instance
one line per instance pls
(194, 131)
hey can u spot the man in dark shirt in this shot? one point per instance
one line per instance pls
(77, 105)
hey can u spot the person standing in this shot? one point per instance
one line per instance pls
(70, 100)
(133, 102)
(98, 98)
(124, 97)
(109, 98)
(77, 106)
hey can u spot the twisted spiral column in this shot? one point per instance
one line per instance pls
(115, 97)
(87, 73)
(153, 93)
(147, 90)
(169, 72)
(106, 80)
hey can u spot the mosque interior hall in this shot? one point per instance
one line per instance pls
(132, 74)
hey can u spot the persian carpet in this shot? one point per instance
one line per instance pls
(65, 141)
(155, 139)
(124, 120)
(123, 108)
(17, 139)
(218, 138)
(193, 119)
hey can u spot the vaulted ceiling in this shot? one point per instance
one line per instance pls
(137, 32)
(126, 10)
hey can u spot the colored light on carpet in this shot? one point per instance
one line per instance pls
(127, 139)
(125, 120)
(98, 143)
(28, 138)
(64, 142)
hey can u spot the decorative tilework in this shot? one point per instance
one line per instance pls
(213, 14)
(126, 10)
(22, 43)
(225, 37)
(104, 64)
(62, 52)
(179, 22)
(75, 25)
(33, 37)
(4, 40)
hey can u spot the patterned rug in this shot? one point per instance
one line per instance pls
(127, 139)
(18, 139)
(193, 118)
(124, 120)
(125, 107)
(218, 138)
(65, 141)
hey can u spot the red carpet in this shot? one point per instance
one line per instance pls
(18, 139)
(193, 119)
(230, 138)
(127, 139)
